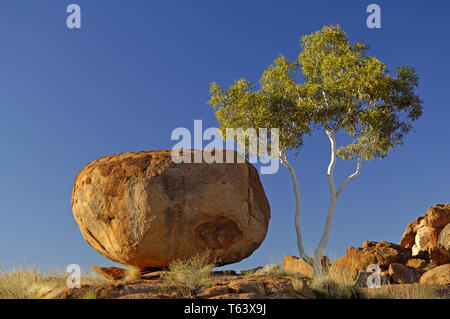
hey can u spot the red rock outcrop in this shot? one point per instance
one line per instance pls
(423, 234)
(356, 260)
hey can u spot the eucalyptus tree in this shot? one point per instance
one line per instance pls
(343, 90)
(349, 91)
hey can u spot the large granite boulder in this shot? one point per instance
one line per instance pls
(144, 210)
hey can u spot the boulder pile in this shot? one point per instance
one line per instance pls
(426, 236)
(422, 256)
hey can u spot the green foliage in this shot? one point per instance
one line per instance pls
(343, 88)
(274, 105)
(349, 90)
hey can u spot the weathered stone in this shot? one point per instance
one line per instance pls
(240, 286)
(444, 238)
(408, 238)
(439, 215)
(402, 274)
(438, 256)
(381, 253)
(415, 251)
(111, 273)
(292, 264)
(142, 209)
(274, 285)
(421, 221)
(416, 263)
(437, 276)
(215, 291)
(426, 237)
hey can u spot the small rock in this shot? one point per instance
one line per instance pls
(111, 273)
(292, 264)
(153, 274)
(402, 274)
(438, 256)
(426, 237)
(439, 215)
(408, 237)
(240, 286)
(416, 263)
(215, 291)
(276, 285)
(437, 276)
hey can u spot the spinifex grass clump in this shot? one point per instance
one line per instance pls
(414, 291)
(133, 273)
(30, 283)
(335, 285)
(192, 275)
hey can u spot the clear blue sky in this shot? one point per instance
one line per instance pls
(138, 69)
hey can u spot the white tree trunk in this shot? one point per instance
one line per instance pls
(333, 194)
(332, 203)
(301, 251)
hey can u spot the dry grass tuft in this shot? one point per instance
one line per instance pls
(335, 285)
(190, 276)
(269, 270)
(90, 294)
(298, 284)
(414, 291)
(30, 283)
(133, 273)
(272, 270)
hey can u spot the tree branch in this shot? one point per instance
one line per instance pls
(356, 173)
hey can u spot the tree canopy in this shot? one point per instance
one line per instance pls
(341, 88)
